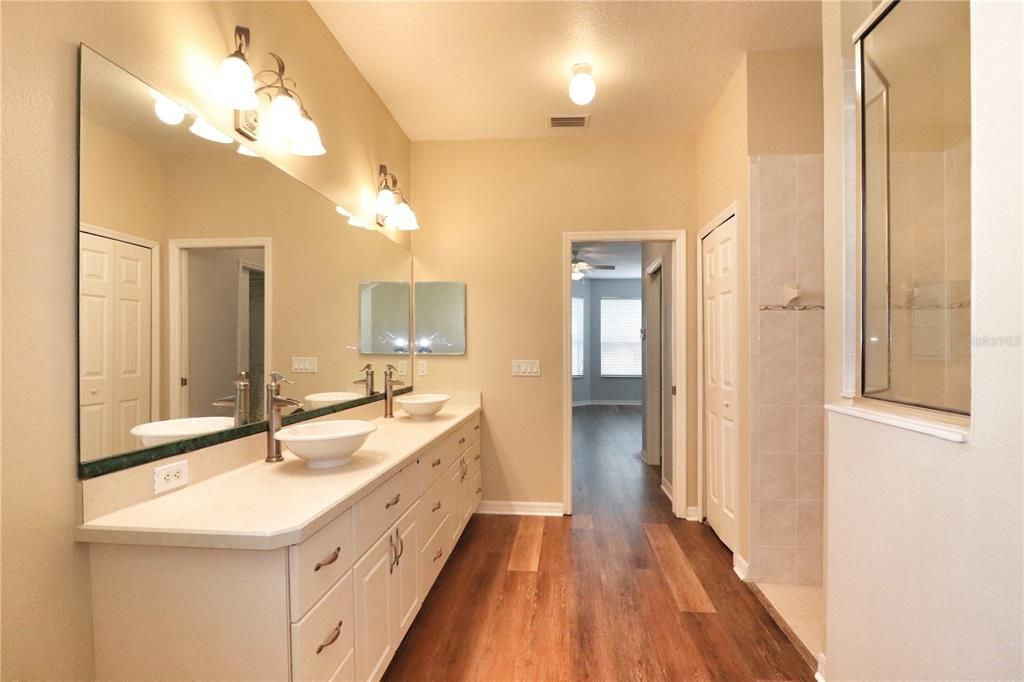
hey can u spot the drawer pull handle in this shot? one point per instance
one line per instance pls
(331, 558)
(394, 555)
(479, 490)
(462, 440)
(435, 463)
(439, 553)
(401, 546)
(393, 501)
(437, 505)
(476, 428)
(477, 458)
(331, 639)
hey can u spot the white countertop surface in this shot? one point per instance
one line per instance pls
(265, 506)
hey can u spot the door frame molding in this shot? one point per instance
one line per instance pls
(679, 307)
(154, 286)
(656, 266)
(177, 255)
(732, 211)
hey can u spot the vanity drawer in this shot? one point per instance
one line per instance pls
(324, 638)
(379, 510)
(434, 506)
(475, 492)
(317, 563)
(433, 555)
(435, 461)
(467, 433)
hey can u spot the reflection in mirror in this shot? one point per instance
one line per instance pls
(199, 264)
(384, 318)
(441, 318)
(915, 183)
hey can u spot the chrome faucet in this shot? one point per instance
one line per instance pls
(389, 390)
(239, 401)
(275, 401)
(367, 379)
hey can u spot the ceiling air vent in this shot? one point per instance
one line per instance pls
(570, 121)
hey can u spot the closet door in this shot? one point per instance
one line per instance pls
(96, 347)
(721, 360)
(133, 329)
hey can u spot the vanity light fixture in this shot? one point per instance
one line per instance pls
(234, 77)
(392, 209)
(202, 128)
(582, 87)
(167, 111)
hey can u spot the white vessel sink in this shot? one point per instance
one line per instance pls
(326, 444)
(317, 400)
(422, 406)
(170, 430)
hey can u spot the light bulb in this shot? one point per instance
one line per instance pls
(285, 115)
(246, 151)
(385, 202)
(306, 141)
(402, 218)
(576, 275)
(203, 129)
(582, 87)
(343, 211)
(167, 111)
(235, 83)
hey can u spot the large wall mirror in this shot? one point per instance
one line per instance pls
(915, 183)
(197, 263)
(440, 318)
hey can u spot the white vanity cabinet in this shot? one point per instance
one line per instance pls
(333, 606)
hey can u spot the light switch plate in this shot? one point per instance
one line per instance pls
(170, 476)
(303, 365)
(403, 367)
(526, 368)
(421, 368)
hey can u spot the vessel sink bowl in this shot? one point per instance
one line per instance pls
(422, 406)
(170, 430)
(326, 444)
(317, 400)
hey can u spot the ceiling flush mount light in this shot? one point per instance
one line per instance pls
(167, 111)
(582, 87)
(202, 128)
(393, 211)
(234, 77)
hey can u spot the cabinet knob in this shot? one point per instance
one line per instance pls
(331, 558)
(479, 490)
(435, 463)
(462, 440)
(439, 553)
(331, 638)
(393, 501)
(437, 505)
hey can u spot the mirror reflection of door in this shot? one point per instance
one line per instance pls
(115, 357)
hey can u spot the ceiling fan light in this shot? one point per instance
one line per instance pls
(202, 128)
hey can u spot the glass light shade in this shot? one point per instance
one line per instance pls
(306, 141)
(343, 211)
(203, 129)
(582, 87)
(385, 202)
(246, 151)
(285, 116)
(167, 111)
(577, 275)
(355, 221)
(235, 84)
(402, 218)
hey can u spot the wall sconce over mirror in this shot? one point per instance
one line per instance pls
(288, 122)
(392, 208)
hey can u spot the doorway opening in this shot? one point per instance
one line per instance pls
(624, 355)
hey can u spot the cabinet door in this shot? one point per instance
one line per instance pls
(405, 585)
(373, 574)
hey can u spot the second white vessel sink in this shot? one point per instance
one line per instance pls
(326, 444)
(422, 406)
(170, 430)
(317, 400)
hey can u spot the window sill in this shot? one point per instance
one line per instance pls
(902, 420)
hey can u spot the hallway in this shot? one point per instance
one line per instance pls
(620, 590)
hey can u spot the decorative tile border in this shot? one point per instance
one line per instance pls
(108, 465)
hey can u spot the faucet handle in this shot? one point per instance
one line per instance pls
(278, 378)
(367, 368)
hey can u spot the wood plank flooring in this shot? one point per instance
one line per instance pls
(621, 590)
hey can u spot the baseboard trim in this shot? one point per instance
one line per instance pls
(666, 488)
(586, 403)
(521, 508)
(740, 566)
(693, 514)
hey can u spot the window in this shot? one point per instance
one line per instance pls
(577, 337)
(620, 337)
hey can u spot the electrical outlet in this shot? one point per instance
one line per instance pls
(421, 368)
(526, 368)
(403, 367)
(303, 365)
(170, 476)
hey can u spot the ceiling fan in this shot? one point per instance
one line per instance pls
(580, 267)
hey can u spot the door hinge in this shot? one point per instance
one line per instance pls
(673, 390)
(184, 381)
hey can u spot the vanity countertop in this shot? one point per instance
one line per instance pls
(264, 506)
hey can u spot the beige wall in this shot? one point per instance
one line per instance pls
(924, 536)
(496, 211)
(176, 47)
(784, 102)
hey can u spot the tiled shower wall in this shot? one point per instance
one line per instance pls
(787, 350)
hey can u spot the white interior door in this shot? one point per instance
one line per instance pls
(96, 348)
(653, 390)
(133, 330)
(720, 361)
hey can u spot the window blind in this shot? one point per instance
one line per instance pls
(620, 337)
(577, 337)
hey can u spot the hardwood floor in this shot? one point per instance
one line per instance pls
(621, 590)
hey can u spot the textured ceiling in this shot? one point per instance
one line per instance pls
(491, 70)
